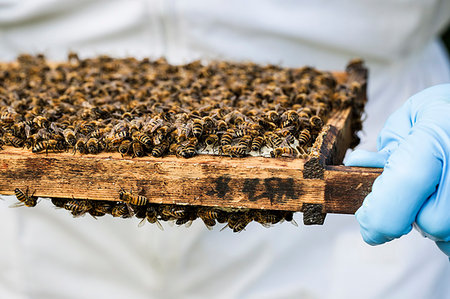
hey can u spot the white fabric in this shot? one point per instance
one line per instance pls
(44, 253)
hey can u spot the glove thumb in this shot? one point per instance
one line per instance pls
(362, 158)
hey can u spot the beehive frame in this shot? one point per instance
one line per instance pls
(314, 186)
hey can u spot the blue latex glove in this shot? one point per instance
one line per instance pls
(414, 189)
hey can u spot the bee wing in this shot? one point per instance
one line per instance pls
(158, 123)
(159, 225)
(78, 214)
(294, 222)
(267, 225)
(130, 210)
(17, 204)
(142, 222)
(55, 128)
(27, 130)
(189, 223)
(224, 227)
(209, 227)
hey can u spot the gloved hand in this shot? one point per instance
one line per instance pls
(414, 189)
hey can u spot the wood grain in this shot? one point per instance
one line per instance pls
(252, 182)
(346, 187)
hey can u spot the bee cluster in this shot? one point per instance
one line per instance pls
(144, 107)
(139, 207)
(180, 215)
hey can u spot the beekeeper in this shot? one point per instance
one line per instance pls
(44, 253)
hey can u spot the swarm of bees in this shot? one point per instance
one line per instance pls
(143, 107)
(133, 205)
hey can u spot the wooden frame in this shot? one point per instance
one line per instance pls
(313, 186)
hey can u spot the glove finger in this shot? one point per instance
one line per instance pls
(362, 158)
(433, 219)
(396, 128)
(410, 176)
(444, 247)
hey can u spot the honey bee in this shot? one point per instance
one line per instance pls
(144, 139)
(101, 208)
(98, 133)
(124, 147)
(95, 213)
(160, 149)
(41, 122)
(189, 215)
(227, 138)
(188, 149)
(238, 221)
(173, 213)
(257, 143)
(284, 152)
(289, 216)
(267, 125)
(121, 210)
(138, 149)
(46, 145)
(267, 218)
(161, 134)
(18, 128)
(197, 128)
(155, 123)
(272, 139)
(80, 146)
(210, 215)
(24, 198)
(59, 202)
(165, 212)
(7, 117)
(316, 123)
(211, 140)
(127, 115)
(120, 136)
(92, 145)
(272, 116)
(14, 141)
(355, 87)
(234, 151)
(151, 215)
(208, 122)
(302, 153)
(129, 197)
(304, 137)
(78, 207)
(245, 142)
(69, 136)
(289, 118)
(222, 125)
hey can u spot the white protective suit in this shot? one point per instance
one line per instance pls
(45, 253)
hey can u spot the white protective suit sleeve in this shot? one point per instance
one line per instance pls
(47, 254)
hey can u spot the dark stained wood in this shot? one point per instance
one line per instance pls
(252, 182)
(346, 187)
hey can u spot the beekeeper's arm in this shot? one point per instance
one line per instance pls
(414, 189)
